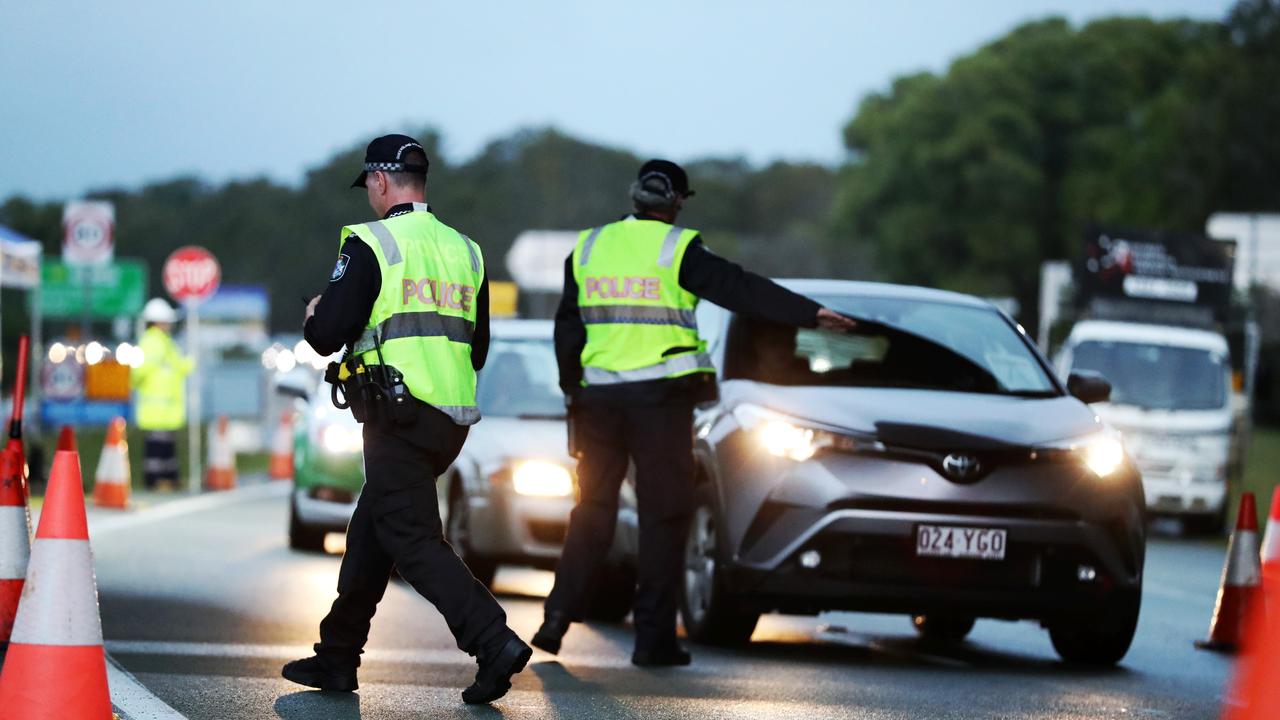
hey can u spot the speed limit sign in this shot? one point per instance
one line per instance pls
(88, 232)
(191, 274)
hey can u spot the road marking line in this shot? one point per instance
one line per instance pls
(134, 701)
(99, 525)
(425, 656)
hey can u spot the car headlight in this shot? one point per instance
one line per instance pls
(339, 439)
(784, 437)
(540, 478)
(1103, 453)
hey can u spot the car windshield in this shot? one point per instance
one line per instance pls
(1156, 376)
(898, 343)
(520, 379)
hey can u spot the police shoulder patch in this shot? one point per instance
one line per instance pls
(340, 268)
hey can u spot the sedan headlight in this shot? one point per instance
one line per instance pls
(540, 478)
(340, 439)
(1103, 453)
(785, 437)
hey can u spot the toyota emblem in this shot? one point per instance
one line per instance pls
(961, 467)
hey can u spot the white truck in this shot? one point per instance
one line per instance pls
(1172, 399)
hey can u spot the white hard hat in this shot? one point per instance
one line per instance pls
(158, 311)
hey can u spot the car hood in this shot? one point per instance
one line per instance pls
(498, 439)
(926, 419)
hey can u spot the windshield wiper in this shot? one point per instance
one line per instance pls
(540, 416)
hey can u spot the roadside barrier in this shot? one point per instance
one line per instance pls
(222, 458)
(15, 540)
(281, 465)
(113, 478)
(67, 439)
(1241, 582)
(56, 667)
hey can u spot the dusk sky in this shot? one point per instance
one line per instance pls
(118, 94)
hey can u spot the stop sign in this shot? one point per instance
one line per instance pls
(191, 274)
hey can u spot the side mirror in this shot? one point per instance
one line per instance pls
(1088, 387)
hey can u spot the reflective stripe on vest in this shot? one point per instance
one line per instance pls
(675, 366)
(417, 324)
(639, 315)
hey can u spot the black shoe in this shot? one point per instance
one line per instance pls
(554, 626)
(667, 657)
(316, 672)
(493, 679)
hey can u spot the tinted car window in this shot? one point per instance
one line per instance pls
(520, 379)
(898, 343)
(1156, 376)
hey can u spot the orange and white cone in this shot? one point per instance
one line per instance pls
(1271, 539)
(1241, 582)
(55, 667)
(112, 481)
(67, 439)
(15, 540)
(1255, 692)
(222, 458)
(281, 465)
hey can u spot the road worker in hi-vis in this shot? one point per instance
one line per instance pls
(632, 367)
(409, 300)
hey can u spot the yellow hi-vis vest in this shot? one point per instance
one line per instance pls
(640, 322)
(425, 313)
(160, 382)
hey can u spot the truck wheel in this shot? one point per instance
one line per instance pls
(711, 615)
(303, 536)
(1099, 639)
(614, 592)
(1214, 524)
(458, 533)
(943, 628)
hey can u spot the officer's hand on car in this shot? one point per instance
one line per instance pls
(834, 321)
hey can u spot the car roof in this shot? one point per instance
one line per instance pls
(519, 329)
(1115, 331)
(861, 288)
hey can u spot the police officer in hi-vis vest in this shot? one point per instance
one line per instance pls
(410, 301)
(632, 366)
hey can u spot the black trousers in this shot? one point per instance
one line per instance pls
(159, 458)
(659, 440)
(397, 523)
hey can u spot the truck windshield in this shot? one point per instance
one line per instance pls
(520, 379)
(898, 343)
(1160, 377)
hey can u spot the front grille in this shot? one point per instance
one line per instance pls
(943, 507)
(548, 532)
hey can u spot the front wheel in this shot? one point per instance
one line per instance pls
(1099, 639)
(710, 613)
(458, 533)
(303, 536)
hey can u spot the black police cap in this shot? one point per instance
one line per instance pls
(386, 153)
(675, 175)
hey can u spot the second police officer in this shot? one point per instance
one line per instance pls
(632, 366)
(409, 299)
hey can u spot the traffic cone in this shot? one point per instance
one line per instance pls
(15, 540)
(113, 479)
(67, 439)
(281, 465)
(222, 459)
(1271, 539)
(1255, 692)
(1241, 581)
(55, 667)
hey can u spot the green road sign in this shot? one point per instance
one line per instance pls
(115, 289)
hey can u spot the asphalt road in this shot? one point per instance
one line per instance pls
(205, 606)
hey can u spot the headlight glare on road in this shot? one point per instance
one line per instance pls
(540, 478)
(339, 439)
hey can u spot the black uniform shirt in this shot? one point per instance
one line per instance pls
(343, 312)
(704, 274)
